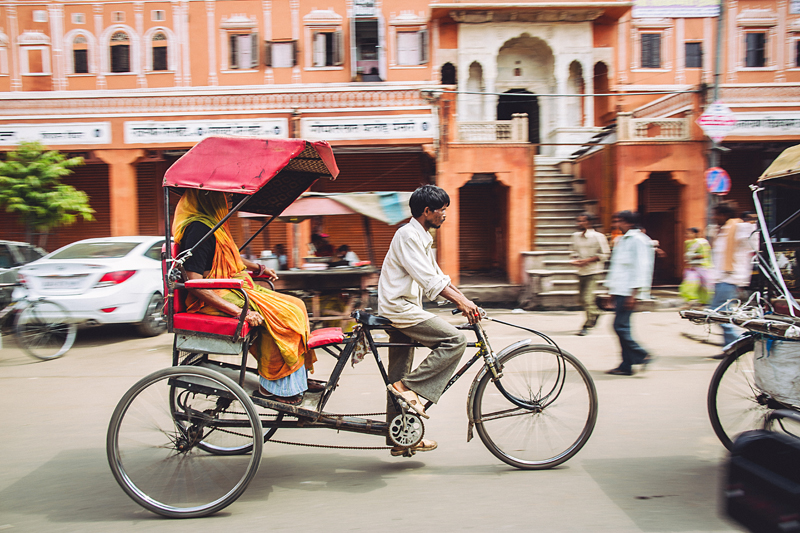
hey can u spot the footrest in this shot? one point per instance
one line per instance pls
(321, 337)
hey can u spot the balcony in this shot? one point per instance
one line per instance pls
(652, 128)
(495, 131)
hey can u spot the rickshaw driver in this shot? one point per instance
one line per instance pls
(281, 348)
(409, 271)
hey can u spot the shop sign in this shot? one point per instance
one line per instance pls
(718, 181)
(192, 131)
(717, 121)
(83, 133)
(364, 128)
(794, 7)
(767, 124)
(675, 8)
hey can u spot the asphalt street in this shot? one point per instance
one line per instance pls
(653, 463)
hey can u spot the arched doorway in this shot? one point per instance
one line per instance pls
(483, 228)
(660, 210)
(449, 74)
(526, 65)
(473, 99)
(602, 104)
(513, 102)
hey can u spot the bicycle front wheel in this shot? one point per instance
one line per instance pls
(156, 442)
(559, 414)
(44, 330)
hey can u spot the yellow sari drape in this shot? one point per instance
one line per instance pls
(282, 344)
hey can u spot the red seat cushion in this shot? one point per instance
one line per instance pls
(217, 325)
(320, 337)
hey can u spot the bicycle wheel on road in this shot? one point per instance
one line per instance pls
(735, 404)
(44, 329)
(561, 416)
(155, 451)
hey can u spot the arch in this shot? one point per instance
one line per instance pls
(448, 74)
(474, 102)
(171, 46)
(134, 50)
(602, 104)
(575, 85)
(91, 47)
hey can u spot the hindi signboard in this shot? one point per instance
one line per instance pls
(75, 133)
(717, 121)
(760, 123)
(193, 131)
(675, 8)
(368, 127)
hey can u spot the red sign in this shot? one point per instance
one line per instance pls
(717, 121)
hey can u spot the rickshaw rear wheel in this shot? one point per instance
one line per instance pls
(153, 444)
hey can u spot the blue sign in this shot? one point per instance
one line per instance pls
(717, 181)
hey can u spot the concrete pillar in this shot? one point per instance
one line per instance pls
(122, 189)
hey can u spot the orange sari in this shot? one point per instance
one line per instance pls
(281, 347)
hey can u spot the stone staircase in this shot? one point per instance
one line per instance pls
(551, 282)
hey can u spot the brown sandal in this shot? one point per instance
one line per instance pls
(409, 399)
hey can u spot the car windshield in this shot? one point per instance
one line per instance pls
(96, 250)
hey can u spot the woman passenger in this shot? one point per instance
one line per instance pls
(281, 347)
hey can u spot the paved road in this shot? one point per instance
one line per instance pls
(653, 463)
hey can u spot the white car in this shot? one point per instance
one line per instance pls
(109, 280)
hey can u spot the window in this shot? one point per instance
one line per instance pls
(281, 54)
(412, 47)
(160, 51)
(157, 15)
(694, 55)
(120, 52)
(78, 18)
(328, 47)
(118, 16)
(243, 50)
(80, 55)
(797, 53)
(755, 45)
(651, 50)
(40, 15)
(154, 252)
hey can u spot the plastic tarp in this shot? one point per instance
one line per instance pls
(777, 369)
(786, 165)
(390, 207)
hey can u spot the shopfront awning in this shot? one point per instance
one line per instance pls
(786, 165)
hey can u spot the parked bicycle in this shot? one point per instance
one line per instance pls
(42, 328)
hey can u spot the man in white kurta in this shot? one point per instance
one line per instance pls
(410, 271)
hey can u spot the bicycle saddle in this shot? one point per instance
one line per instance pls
(367, 319)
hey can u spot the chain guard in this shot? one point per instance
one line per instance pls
(406, 430)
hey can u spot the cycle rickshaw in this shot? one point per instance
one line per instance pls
(185, 441)
(746, 387)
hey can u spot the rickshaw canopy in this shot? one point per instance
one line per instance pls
(786, 165)
(273, 171)
(390, 207)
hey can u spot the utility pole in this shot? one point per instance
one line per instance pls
(714, 152)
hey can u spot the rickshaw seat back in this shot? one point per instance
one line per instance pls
(198, 332)
(321, 337)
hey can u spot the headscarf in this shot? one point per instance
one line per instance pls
(209, 207)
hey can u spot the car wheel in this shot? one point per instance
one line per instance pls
(153, 323)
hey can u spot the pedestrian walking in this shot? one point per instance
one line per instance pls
(696, 287)
(731, 255)
(630, 275)
(589, 253)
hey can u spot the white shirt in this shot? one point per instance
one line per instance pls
(409, 271)
(631, 265)
(588, 244)
(742, 255)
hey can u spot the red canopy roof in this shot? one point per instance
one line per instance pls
(244, 165)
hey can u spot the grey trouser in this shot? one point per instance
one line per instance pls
(429, 379)
(586, 291)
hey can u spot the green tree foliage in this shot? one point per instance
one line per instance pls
(31, 189)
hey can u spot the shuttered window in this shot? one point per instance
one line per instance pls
(755, 44)
(243, 50)
(328, 47)
(694, 55)
(651, 50)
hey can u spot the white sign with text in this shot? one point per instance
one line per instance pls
(759, 123)
(56, 134)
(146, 132)
(383, 127)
